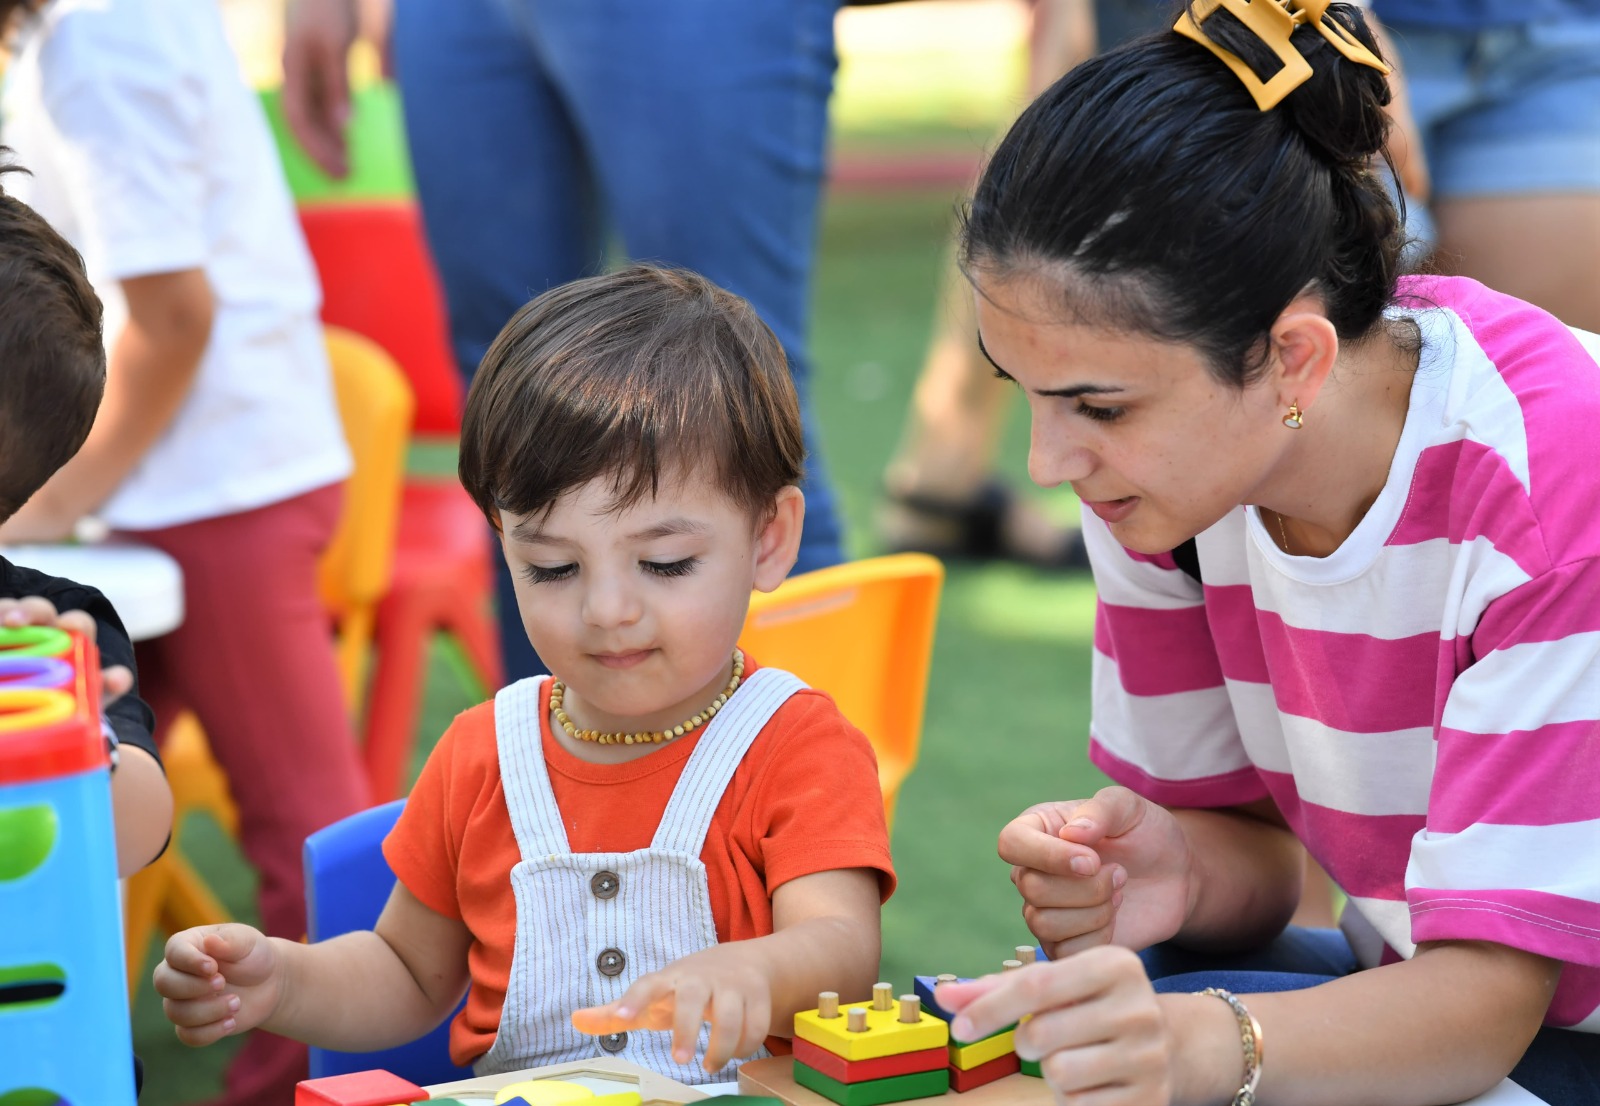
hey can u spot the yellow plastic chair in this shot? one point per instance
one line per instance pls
(375, 407)
(862, 632)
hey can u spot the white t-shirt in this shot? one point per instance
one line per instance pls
(150, 155)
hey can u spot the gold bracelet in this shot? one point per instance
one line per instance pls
(1250, 1040)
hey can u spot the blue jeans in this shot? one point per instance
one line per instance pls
(695, 134)
(1562, 1067)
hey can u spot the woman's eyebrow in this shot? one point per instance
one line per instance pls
(1071, 392)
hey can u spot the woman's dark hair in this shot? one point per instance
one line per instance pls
(639, 375)
(1148, 189)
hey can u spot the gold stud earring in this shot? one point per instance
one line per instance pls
(1293, 419)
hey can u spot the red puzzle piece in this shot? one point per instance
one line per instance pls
(837, 1067)
(361, 1088)
(998, 1068)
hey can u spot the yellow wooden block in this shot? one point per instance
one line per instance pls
(886, 1034)
(967, 1057)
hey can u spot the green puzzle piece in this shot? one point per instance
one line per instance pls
(898, 1088)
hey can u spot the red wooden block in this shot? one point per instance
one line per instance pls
(998, 1068)
(361, 1088)
(837, 1067)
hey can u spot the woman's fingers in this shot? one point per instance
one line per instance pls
(1038, 988)
(1113, 812)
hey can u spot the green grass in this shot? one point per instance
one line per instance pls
(1007, 707)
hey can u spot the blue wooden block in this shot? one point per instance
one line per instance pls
(923, 986)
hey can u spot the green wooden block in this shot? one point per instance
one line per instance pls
(1031, 1067)
(899, 1088)
(380, 164)
(745, 1100)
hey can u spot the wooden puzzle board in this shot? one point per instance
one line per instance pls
(600, 1076)
(775, 1076)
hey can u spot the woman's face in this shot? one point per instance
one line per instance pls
(1149, 440)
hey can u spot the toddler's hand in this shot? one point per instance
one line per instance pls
(35, 610)
(218, 980)
(720, 985)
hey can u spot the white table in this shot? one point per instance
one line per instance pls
(143, 583)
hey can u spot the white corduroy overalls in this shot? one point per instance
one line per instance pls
(589, 924)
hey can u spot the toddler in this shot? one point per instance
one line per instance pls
(665, 850)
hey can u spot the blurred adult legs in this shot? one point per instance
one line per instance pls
(699, 140)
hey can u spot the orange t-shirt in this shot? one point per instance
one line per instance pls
(805, 799)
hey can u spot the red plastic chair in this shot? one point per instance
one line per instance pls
(378, 280)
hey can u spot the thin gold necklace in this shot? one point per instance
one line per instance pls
(1282, 533)
(558, 695)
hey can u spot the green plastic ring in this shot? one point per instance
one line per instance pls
(34, 641)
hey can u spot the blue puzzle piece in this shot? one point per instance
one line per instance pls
(924, 985)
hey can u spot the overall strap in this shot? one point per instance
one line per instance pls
(722, 747)
(535, 818)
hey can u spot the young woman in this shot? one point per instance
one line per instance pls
(1343, 530)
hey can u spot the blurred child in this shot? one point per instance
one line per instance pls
(665, 835)
(52, 371)
(219, 440)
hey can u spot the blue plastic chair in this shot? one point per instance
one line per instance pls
(347, 883)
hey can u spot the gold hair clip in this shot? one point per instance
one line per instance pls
(1273, 21)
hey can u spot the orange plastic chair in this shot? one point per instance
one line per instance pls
(863, 632)
(375, 407)
(378, 280)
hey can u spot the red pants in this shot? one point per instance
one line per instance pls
(254, 661)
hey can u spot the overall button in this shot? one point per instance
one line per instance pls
(605, 885)
(611, 962)
(614, 1042)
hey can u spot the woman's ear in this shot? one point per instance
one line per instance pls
(1305, 346)
(778, 543)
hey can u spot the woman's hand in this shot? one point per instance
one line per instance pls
(1092, 1021)
(1114, 869)
(724, 985)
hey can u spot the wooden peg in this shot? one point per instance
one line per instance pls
(883, 996)
(910, 1009)
(828, 1004)
(1027, 953)
(946, 978)
(1010, 965)
(856, 1019)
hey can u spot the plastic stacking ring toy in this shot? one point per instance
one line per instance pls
(33, 672)
(34, 641)
(29, 708)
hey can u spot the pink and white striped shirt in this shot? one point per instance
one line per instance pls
(1423, 704)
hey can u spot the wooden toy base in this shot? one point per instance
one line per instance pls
(601, 1075)
(775, 1076)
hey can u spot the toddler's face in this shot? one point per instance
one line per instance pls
(638, 611)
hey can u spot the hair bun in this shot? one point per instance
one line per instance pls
(1340, 109)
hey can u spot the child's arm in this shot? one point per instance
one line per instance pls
(141, 801)
(152, 365)
(357, 992)
(825, 938)
(1446, 1025)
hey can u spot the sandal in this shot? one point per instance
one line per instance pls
(974, 529)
